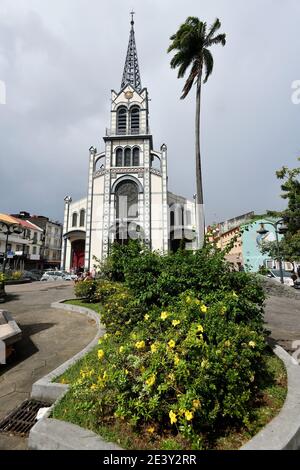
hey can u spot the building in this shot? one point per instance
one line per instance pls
(50, 250)
(127, 193)
(228, 232)
(246, 252)
(24, 249)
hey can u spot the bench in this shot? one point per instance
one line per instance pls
(10, 333)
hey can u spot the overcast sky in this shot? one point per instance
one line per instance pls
(59, 60)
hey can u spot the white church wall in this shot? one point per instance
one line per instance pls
(156, 213)
(97, 219)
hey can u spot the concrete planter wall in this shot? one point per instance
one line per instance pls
(282, 433)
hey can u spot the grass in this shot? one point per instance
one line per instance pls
(272, 392)
(80, 303)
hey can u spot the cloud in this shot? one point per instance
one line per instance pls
(60, 59)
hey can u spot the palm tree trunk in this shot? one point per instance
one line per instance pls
(200, 222)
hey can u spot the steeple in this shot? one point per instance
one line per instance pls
(131, 74)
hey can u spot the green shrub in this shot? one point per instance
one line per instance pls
(120, 310)
(185, 368)
(85, 290)
(113, 267)
(184, 343)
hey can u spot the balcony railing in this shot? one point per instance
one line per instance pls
(125, 132)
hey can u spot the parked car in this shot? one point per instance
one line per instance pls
(32, 275)
(52, 276)
(275, 274)
(297, 284)
(58, 276)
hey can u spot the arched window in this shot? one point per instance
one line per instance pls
(127, 200)
(122, 120)
(82, 218)
(119, 157)
(74, 219)
(136, 157)
(127, 157)
(135, 120)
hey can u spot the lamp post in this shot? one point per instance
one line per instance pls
(7, 229)
(280, 229)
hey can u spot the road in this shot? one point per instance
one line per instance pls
(50, 337)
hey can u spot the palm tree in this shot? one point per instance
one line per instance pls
(191, 43)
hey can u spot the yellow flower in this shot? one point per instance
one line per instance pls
(173, 417)
(153, 348)
(176, 360)
(126, 372)
(151, 380)
(188, 415)
(140, 344)
(196, 404)
(100, 354)
(200, 328)
(146, 317)
(227, 343)
(164, 315)
(171, 344)
(151, 430)
(93, 387)
(171, 376)
(252, 344)
(175, 322)
(121, 349)
(203, 308)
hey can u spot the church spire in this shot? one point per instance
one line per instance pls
(131, 74)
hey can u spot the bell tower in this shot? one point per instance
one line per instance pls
(128, 191)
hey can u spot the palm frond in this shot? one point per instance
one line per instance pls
(208, 62)
(213, 29)
(189, 83)
(220, 39)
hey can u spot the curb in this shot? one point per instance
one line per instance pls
(52, 434)
(47, 390)
(283, 432)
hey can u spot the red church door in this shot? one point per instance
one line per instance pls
(78, 248)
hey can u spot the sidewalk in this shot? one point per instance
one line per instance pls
(50, 337)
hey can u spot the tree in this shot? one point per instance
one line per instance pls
(191, 43)
(289, 246)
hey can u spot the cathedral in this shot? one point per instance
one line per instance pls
(127, 194)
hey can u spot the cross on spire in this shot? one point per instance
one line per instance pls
(132, 20)
(131, 74)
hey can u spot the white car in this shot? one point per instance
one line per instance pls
(56, 276)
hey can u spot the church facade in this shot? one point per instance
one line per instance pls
(127, 196)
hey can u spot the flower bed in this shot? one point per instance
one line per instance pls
(184, 361)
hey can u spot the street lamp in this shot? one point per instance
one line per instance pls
(280, 229)
(7, 229)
